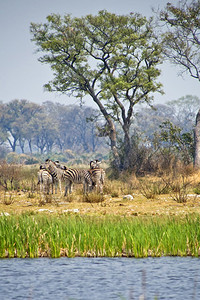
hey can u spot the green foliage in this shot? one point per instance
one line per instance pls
(15, 158)
(15, 118)
(183, 143)
(197, 191)
(181, 39)
(112, 58)
(31, 160)
(69, 235)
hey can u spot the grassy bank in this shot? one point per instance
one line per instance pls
(38, 235)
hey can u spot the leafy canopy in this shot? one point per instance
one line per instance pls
(107, 56)
(182, 37)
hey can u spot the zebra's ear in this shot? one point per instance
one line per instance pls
(92, 164)
(47, 160)
(98, 163)
(64, 167)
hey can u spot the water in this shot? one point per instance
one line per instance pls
(100, 278)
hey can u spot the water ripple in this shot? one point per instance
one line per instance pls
(100, 278)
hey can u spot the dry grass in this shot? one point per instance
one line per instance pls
(93, 198)
(139, 206)
(152, 195)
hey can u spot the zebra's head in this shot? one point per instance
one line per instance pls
(98, 164)
(58, 165)
(95, 164)
(42, 167)
(92, 164)
(49, 165)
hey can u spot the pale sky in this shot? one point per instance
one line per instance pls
(23, 77)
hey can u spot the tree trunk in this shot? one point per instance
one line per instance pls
(197, 142)
(21, 144)
(112, 130)
(12, 144)
(127, 148)
(30, 146)
(113, 140)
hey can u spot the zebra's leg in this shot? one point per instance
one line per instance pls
(56, 185)
(40, 182)
(52, 187)
(95, 187)
(48, 188)
(90, 188)
(44, 188)
(60, 186)
(70, 187)
(101, 188)
(67, 187)
(41, 187)
(85, 187)
(66, 190)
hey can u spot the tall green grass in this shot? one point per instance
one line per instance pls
(74, 235)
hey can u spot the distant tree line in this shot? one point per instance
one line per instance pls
(31, 128)
(160, 135)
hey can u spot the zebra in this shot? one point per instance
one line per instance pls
(56, 173)
(71, 176)
(97, 175)
(95, 164)
(45, 180)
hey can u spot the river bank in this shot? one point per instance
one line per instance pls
(44, 235)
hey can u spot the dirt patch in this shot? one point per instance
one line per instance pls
(138, 205)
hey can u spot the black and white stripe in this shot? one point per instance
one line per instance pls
(56, 173)
(78, 176)
(97, 175)
(45, 180)
(69, 176)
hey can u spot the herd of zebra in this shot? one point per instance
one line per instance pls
(52, 174)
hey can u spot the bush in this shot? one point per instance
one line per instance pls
(93, 198)
(10, 176)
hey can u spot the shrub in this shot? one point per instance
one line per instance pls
(10, 176)
(93, 197)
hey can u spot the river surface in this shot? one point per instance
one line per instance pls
(100, 278)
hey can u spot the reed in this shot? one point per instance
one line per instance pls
(74, 235)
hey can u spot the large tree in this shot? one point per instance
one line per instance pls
(112, 58)
(182, 46)
(182, 35)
